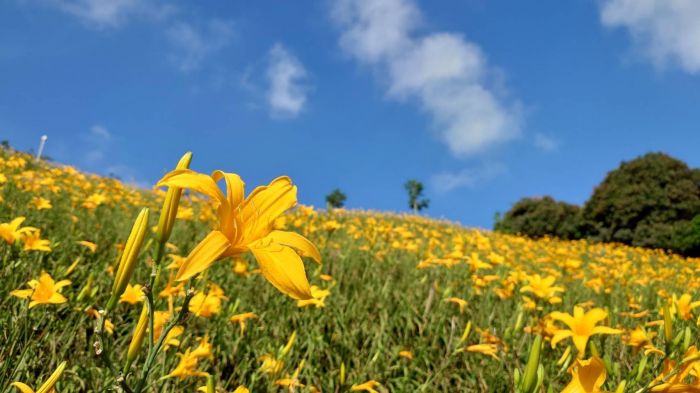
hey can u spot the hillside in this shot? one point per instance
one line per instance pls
(412, 303)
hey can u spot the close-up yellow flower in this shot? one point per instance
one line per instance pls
(245, 225)
(587, 376)
(43, 291)
(581, 326)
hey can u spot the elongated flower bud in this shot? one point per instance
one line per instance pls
(129, 256)
(137, 338)
(341, 377)
(85, 291)
(621, 387)
(530, 377)
(170, 204)
(668, 325)
(49, 384)
(465, 333)
(210, 384)
(290, 343)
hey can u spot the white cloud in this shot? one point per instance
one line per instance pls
(286, 76)
(194, 45)
(665, 31)
(97, 141)
(100, 131)
(469, 177)
(546, 143)
(191, 43)
(110, 13)
(444, 73)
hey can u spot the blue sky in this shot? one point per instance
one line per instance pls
(483, 101)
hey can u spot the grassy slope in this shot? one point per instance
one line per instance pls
(380, 303)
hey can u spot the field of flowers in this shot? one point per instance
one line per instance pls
(109, 288)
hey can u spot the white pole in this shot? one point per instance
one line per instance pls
(42, 142)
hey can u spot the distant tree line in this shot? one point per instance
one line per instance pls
(651, 201)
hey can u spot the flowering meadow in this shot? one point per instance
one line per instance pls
(206, 283)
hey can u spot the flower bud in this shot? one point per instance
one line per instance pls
(341, 377)
(170, 204)
(529, 384)
(290, 342)
(129, 256)
(49, 384)
(137, 338)
(668, 324)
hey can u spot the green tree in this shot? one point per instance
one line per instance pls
(537, 217)
(647, 202)
(415, 195)
(336, 199)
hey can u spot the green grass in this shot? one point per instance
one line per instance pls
(380, 303)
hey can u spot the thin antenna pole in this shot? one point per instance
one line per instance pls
(42, 142)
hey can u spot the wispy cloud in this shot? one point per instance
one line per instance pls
(191, 40)
(470, 177)
(667, 32)
(545, 142)
(97, 141)
(287, 87)
(192, 45)
(102, 14)
(100, 131)
(447, 75)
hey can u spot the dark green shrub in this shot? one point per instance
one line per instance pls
(645, 202)
(537, 217)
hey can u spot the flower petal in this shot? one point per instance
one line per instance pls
(186, 178)
(22, 293)
(24, 388)
(580, 344)
(605, 330)
(234, 187)
(283, 268)
(564, 317)
(297, 242)
(595, 315)
(203, 255)
(265, 204)
(560, 335)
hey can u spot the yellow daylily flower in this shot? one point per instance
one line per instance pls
(581, 327)
(674, 375)
(40, 203)
(639, 338)
(270, 364)
(43, 291)
(89, 245)
(366, 387)
(33, 242)
(204, 348)
(241, 319)
(292, 382)
(587, 376)
(12, 231)
(319, 298)
(47, 386)
(247, 225)
(543, 288)
(187, 367)
(132, 294)
(486, 349)
(206, 305)
(459, 302)
(685, 306)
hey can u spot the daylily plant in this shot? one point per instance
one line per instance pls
(246, 224)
